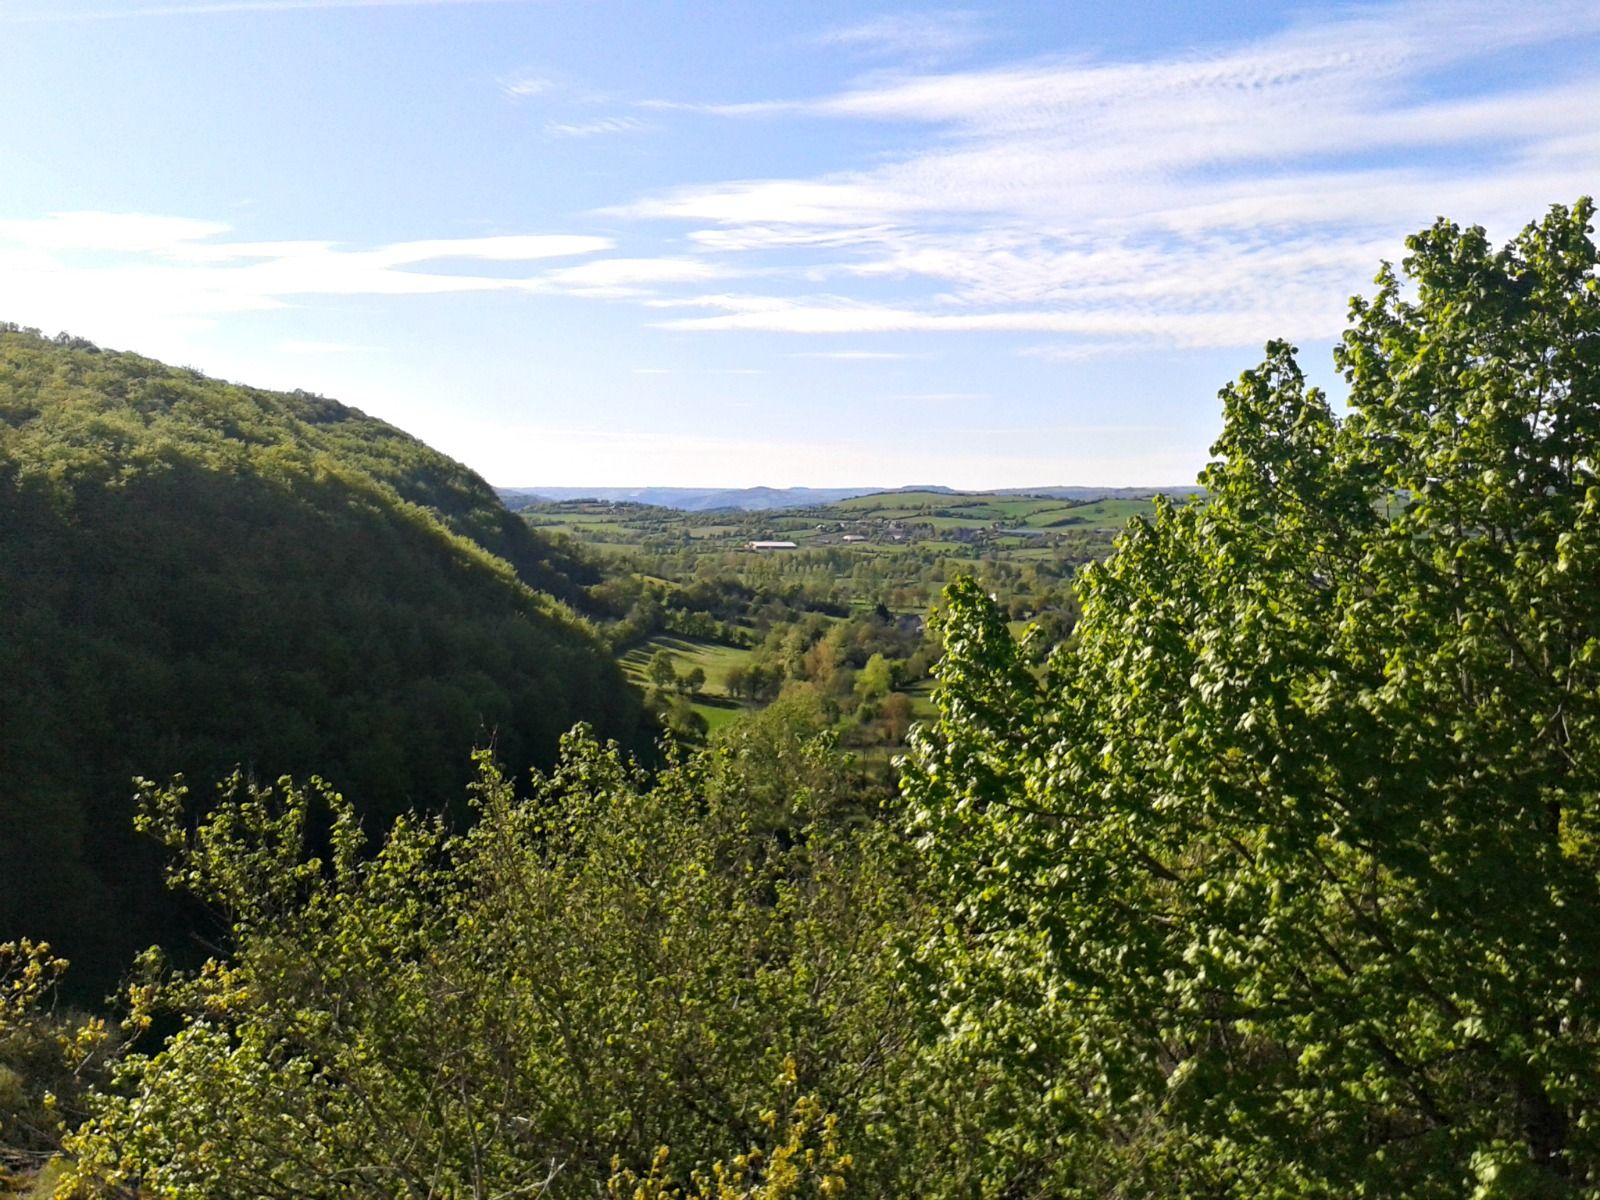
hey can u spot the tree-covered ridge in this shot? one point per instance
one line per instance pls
(198, 575)
(69, 405)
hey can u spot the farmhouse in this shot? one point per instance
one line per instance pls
(770, 546)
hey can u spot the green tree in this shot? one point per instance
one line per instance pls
(684, 721)
(896, 715)
(1283, 880)
(874, 680)
(661, 672)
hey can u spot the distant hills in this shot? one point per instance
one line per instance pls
(761, 499)
(196, 575)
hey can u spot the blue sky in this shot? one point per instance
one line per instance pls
(644, 243)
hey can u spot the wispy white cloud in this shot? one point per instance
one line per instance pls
(129, 233)
(770, 237)
(595, 127)
(1195, 200)
(1139, 326)
(918, 37)
(151, 280)
(630, 278)
(59, 11)
(502, 248)
(186, 239)
(524, 86)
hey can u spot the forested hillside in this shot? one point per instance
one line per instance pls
(197, 575)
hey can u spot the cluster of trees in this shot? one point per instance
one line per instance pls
(602, 965)
(907, 576)
(761, 600)
(718, 607)
(663, 672)
(758, 682)
(1280, 878)
(856, 667)
(672, 695)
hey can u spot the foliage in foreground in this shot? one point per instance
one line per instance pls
(48, 1059)
(1284, 881)
(533, 1007)
(804, 1161)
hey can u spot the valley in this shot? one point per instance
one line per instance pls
(829, 600)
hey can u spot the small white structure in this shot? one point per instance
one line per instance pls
(853, 537)
(770, 546)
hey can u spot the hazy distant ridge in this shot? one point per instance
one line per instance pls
(762, 498)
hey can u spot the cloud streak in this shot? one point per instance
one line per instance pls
(920, 37)
(64, 14)
(139, 277)
(1196, 200)
(524, 87)
(594, 127)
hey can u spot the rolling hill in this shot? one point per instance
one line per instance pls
(767, 499)
(754, 499)
(198, 575)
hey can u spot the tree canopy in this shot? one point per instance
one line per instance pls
(1283, 879)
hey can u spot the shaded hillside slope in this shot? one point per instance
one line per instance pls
(196, 575)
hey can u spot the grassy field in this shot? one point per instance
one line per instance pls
(969, 511)
(715, 659)
(715, 704)
(908, 500)
(960, 525)
(922, 706)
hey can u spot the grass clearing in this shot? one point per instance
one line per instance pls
(714, 658)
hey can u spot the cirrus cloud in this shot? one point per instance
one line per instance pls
(1201, 199)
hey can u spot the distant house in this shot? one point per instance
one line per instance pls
(854, 537)
(770, 546)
